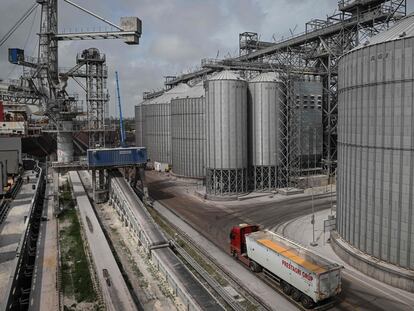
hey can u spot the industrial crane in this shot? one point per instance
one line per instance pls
(49, 84)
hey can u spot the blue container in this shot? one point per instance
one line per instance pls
(117, 157)
(16, 55)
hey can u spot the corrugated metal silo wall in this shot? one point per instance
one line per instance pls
(188, 137)
(226, 129)
(308, 93)
(264, 109)
(138, 126)
(157, 137)
(376, 151)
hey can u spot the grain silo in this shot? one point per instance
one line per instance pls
(265, 97)
(188, 133)
(138, 125)
(375, 152)
(308, 92)
(157, 124)
(226, 129)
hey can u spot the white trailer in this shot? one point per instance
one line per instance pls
(295, 266)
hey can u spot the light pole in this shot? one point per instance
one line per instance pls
(313, 243)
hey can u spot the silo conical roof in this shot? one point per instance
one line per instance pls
(401, 30)
(266, 77)
(196, 91)
(226, 75)
(176, 92)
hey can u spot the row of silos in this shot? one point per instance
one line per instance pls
(375, 205)
(154, 117)
(230, 136)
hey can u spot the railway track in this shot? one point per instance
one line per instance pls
(234, 303)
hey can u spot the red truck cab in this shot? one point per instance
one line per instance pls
(238, 241)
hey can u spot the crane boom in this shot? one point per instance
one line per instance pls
(121, 121)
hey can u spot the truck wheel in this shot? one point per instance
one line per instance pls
(255, 267)
(296, 295)
(307, 302)
(287, 289)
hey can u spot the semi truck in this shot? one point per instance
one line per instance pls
(300, 273)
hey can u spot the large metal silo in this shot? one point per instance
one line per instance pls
(226, 129)
(157, 124)
(375, 211)
(138, 125)
(308, 91)
(265, 98)
(188, 133)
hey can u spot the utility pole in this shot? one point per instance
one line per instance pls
(313, 243)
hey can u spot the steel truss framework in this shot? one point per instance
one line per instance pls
(265, 178)
(49, 85)
(226, 182)
(316, 51)
(97, 97)
(357, 21)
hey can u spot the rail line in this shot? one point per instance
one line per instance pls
(230, 300)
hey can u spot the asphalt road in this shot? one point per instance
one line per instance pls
(214, 221)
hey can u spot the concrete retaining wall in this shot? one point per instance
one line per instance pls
(371, 266)
(121, 206)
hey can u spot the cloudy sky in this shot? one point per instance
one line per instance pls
(177, 34)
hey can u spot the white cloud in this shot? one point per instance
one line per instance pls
(173, 48)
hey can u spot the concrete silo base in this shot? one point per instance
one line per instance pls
(371, 266)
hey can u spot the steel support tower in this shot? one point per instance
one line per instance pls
(49, 85)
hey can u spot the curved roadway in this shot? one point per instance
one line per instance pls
(214, 220)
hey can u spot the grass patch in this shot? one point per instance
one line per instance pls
(76, 278)
(65, 196)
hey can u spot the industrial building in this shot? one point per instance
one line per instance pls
(375, 151)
